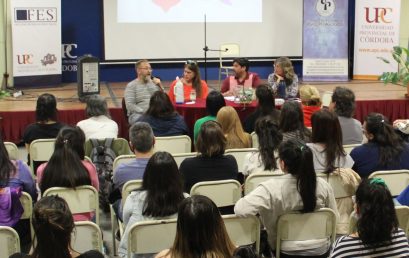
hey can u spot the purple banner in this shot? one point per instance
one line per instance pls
(325, 40)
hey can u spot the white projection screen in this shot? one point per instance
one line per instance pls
(174, 29)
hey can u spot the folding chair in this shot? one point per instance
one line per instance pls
(254, 139)
(41, 150)
(396, 180)
(9, 241)
(12, 150)
(179, 157)
(320, 224)
(243, 230)
(87, 236)
(122, 159)
(27, 203)
(221, 192)
(239, 155)
(349, 147)
(253, 180)
(227, 50)
(173, 144)
(120, 146)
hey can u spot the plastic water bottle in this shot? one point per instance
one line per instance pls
(179, 92)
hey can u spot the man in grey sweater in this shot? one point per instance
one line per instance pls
(139, 91)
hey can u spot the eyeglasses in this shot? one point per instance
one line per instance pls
(146, 68)
(191, 62)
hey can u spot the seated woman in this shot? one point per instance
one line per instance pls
(53, 229)
(98, 125)
(67, 167)
(200, 231)
(46, 125)
(284, 81)
(377, 231)
(297, 190)
(269, 138)
(327, 143)
(232, 129)
(266, 107)
(211, 163)
(162, 117)
(159, 197)
(292, 122)
(385, 150)
(311, 102)
(191, 82)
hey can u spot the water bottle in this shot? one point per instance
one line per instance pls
(178, 91)
(281, 90)
(193, 95)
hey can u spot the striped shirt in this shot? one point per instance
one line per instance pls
(347, 246)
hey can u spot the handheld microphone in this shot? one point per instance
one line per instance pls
(226, 49)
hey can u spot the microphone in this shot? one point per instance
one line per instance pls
(226, 49)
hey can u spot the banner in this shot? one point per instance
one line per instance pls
(376, 33)
(36, 39)
(325, 40)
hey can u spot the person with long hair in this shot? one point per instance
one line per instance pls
(269, 138)
(377, 234)
(53, 227)
(266, 107)
(159, 197)
(292, 122)
(67, 166)
(232, 128)
(200, 231)
(98, 124)
(46, 125)
(310, 102)
(162, 116)
(385, 149)
(191, 83)
(284, 81)
(326, 144)
(299, 189)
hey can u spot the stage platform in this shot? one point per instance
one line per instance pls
(17, 113)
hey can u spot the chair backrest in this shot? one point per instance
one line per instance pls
(254, 140)
(122, 159)
(326, 98)
(243, 230)
(319, 224)
(41, 150)
(179, 157)
(221, 192)
(396, 180)
(9, 241)
(128, 187)
(27, 203)
(143, 236)
(239, 155)
(173, 144)
(349, 147)
(82, 199)
(253, 180)
(120, 146)
(86, 236)
(340, 190)
(12, 150)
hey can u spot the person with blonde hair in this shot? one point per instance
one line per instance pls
(311, 102)
(284, 81)
(232, 128)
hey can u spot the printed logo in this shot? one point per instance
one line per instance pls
(35, 14)
(67, 51)
(25, 59)
(379, 15)
(49, 59)
(325, 7)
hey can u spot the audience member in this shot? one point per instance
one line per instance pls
(138, 92)
(214, 102)
(53, 229)
(297, 190)
(326, 145)
(401, 127)
(191, 83)
(241, 78)
(159, 197)
(162, 116)
(266, 107)
(377, 234)
(67, 167)
(343, 103)
(269, 138)
(284, 81)
(46, 125)
(200, 231)
(98, 125)
(232, 129)
(211, 163)
(385, 150)
(141, 141)
(311, 102)
(403, 197)
(292, 122)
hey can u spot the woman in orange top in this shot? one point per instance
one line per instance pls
(191, 81)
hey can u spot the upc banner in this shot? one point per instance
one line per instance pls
(36, 30)
(325, 40)
(376, 33)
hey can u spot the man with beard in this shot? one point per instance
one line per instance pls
(139, 91)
